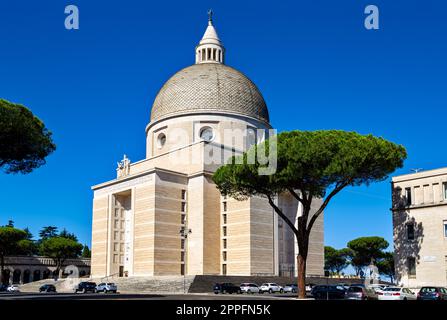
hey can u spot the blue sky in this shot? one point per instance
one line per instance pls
(315, 63)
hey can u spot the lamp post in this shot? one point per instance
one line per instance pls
(184, 231)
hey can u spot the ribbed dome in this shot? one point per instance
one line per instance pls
(209, 87)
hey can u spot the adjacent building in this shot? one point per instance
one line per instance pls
(163, 215)
(420, 228)
(25, 269)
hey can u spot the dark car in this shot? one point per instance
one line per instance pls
(85, 287)
(323, 292)
(47, 288)
(432, 293)
(226, 288)
(3, 287)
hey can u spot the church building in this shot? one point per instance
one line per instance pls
(163, 215)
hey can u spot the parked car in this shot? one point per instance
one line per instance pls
(377, 287)
(13, 288)
(360, 293)
(271, 288)
(291, 288)
(106, 287)
(85, 287)
(249, 288)
(324, 292)
(432, 293)
(396, 293)
(309, 287)
(3, 287)
(47, 288)
(226, 288)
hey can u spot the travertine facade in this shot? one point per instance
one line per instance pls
(164, 216)
(420, 228)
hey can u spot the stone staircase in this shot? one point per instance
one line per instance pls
(131, 285)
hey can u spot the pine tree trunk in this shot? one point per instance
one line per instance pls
(301, 262)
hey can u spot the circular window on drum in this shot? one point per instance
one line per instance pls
(161, 140)
(207, 134)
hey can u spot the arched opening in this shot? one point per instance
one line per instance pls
(26, 276)
(46, 274)
(16, 276)
(82, 273)
(36, 275)
(6, 275)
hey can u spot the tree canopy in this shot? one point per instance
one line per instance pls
(310, 164)
(60, 249)
(365, 249)
(386, 265)
(25, 142)
(335, 260)
(12, 241)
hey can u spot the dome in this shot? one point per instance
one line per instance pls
(212, 88)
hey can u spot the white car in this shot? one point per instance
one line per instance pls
(396, 293)
(106, 287)
(291, 288)
(13, 288)
(271, 288)
(249, 288)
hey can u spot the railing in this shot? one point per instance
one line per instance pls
(105, 279)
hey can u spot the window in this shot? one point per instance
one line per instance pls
(115, 246)
(224, 269)
(183, 194)
(117, 224)
(183, 219)
(182, 256)
(444, 190)
(412, 267)
(115, 258)
(224, 229)
(445, 228)
(224, 243)
(161, 140)
(115, 235)
(410, 231)
(224, 219)
(183, 207)
(182, 244)
(224, 256)
(182, 269)
(207, 134)
(225, 206)
(408, 196)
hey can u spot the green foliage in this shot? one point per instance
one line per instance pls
(386, 265)
(68, 235)
(11, 242)
(60, 249)
(335, 260)
(48, 232)
(313, 161)
(86, 253)
(25, 142)
(10, 238)
(365, 249)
